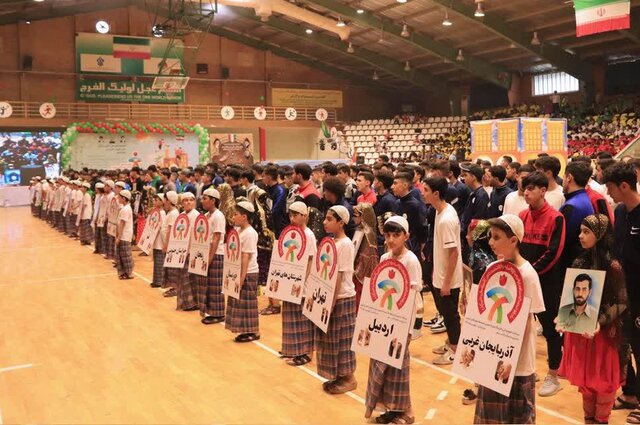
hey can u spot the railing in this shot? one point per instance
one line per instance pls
(125, 111)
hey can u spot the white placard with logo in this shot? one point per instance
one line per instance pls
(288, 268)
(200, 246)
(150, 232)
(231, 284)
(321, 285)
(177, 249)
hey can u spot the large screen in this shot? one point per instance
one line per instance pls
(27, 153)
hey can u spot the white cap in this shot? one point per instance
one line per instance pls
(247, 206)
(172, 197)
(99, 185)
(110, 183)
(342, 212)
(65, 179)
(212, 193)
(38, 178)
(87, 185)
(121, 184)
(399, 220)
(160, 195)
(186, 195)
(515, 224)
(299, 207)
(125, 194)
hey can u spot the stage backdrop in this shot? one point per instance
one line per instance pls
(232, 148)
(107, 151)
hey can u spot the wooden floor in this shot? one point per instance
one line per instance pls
(80, 346)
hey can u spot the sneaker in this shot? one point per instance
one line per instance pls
(550, 386)
(442, 349)
(434, 320)
(445, 359)
(438, 329)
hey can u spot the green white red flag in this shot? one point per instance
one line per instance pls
(595, 16)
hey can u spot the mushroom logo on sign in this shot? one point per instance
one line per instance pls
(47, 110)
(227, 113)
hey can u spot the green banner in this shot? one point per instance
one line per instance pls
(124, 91)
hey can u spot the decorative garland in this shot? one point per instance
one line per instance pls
(180, 129)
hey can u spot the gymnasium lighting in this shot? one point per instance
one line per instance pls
(27, 22)
(405, 31)
(157, 31)
(460, 56)
(479, 12)
(407, 66)
(38, 1)
(512, 46)
(341, 23)
(309, 31)
(375, 76)
(535, 41)
(350, 49)
(446, 22)
(360, 11)
(401, 1)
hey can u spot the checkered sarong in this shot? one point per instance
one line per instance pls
(297, 331)
(185, 288)
(210, 297)
(111, 242)
(86, 231)
(171, 277)
(59, 221)
(74, 228)
(99, 241)
(124, 258)
(242, 314)
(158, 267)
(518, 408)
(333, 349)
(387, 386)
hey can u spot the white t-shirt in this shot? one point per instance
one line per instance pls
(126, 214)
(602, 190)
(346, 256)
(446, 235)
(96, 206)
(488, 189)
(311, 250)
(218, 224)
(158, 243)
(86, 208)
(105, 201)
(193, 215)
(249, 245)
(555, 197)
(514, 203)
(169, 221)
(77, 201)
(532, 290)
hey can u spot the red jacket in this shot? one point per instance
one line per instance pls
(600, 204)
(543, 242)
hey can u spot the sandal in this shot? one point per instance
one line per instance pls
(342, 388)
(622, 404)
(387, 417)
(170, 293)
(298, 360)
(633, 417)
(469, 397)
(403, 418)
(327, 384)
(247, 338)
(270, 310)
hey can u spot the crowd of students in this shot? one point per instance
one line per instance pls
(433, 217)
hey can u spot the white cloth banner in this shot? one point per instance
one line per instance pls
(321, 285)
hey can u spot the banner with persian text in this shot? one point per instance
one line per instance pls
(124, 91)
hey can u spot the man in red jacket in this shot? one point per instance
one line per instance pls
(542, 245)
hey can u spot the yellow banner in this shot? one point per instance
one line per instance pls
(508, 136)
(306, 98)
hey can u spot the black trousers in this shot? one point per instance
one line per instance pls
(448, 308)
(551, 293)
(632, 338)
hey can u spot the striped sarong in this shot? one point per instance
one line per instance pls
(333, 349)
(124, 258)
(518, 408)
(297, 331)
(86, 231)
(242, 314)
(210, 297)
(186, 299)
(158, 267)
(388, 387)
(99, 241)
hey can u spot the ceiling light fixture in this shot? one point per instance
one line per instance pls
(460, 56)
(375, 76)
(446, 22)
(401, 1)
(479, 13)
(350, 49)
(535, 41)
(405, 31)
(360, 11)
(407, 66)
(341, 23)
(309, 31)
(27, 22)
(38, 1)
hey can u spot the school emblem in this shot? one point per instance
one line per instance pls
(201, 229)
(502, 284)
(181, 227)
(233, 245)
(326, 259)
(390, 285)
(292, 244)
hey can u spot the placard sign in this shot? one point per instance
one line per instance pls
(200, 246)
(288, 268)
(322, 284)
(177, 249)
(231, 267)
(150, 231)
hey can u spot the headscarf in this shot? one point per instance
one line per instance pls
(227, 203)
(479, 229)
(368, 222)
(598, 257)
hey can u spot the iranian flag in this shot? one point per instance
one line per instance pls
(131, 48)
(595, 16)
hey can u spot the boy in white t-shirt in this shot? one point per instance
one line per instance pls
(520, 407)
(297, 330)
(336, 361)
(242, 314)
(158, 243)
(447, 261)
(97, 231)
(124, 234)
(210, 296)
(388, 386)
(84, 215)
(171, 274)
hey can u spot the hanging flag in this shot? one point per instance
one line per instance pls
(131, 48)
(325, 130)
(595, 16)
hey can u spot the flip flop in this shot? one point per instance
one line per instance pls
(403, 418)
(387, 417)
(633, 418)
(621, 404)
(298, 361)
(342, 388)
